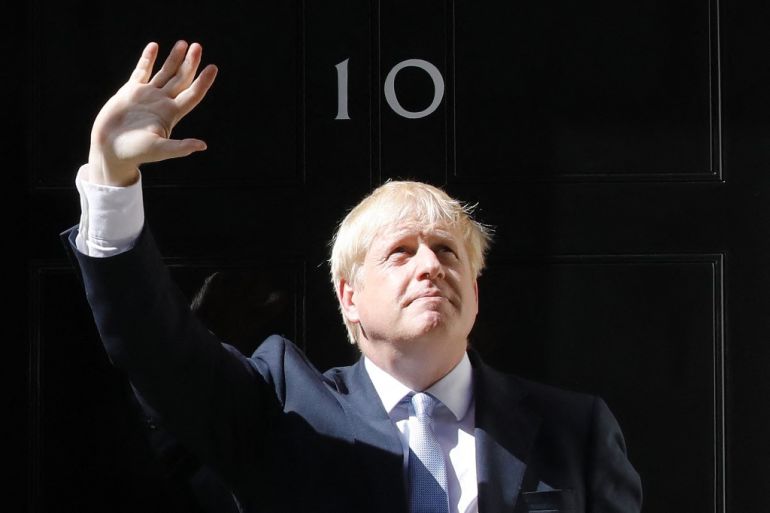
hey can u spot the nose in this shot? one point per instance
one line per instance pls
(428, 265)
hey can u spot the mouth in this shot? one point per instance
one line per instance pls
(428, 295)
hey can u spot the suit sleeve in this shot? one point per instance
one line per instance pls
(614, 485)
(216, 401)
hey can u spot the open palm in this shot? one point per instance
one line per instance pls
(134, 126)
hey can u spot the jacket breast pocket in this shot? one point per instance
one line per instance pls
(551, 501)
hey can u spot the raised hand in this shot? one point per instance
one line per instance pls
(134, 126)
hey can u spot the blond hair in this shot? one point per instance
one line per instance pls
(394, 203)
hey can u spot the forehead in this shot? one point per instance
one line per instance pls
(414, 229)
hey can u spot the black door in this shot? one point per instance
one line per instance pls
(619, 148)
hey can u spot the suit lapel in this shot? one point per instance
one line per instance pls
(505, 432)
(382, 454)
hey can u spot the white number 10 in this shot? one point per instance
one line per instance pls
(390, 88)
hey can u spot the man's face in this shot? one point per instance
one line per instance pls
(415, 286)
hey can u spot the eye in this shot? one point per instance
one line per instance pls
(445, 249)
(398, 252)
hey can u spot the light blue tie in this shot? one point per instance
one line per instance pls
(427, 468)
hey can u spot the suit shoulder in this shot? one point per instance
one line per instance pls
(549, 401)
(286, 366)
(554, 394)
(340, 376)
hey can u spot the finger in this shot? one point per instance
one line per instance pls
(174, 59)
(163, 149)
(192, 96)
(186, 72)
(143, 68)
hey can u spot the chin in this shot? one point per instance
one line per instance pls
(432, 325)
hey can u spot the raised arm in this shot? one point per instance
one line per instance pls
(134, 126)
(212, 398)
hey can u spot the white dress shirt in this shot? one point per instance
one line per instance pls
(112, 219)
(453, 424)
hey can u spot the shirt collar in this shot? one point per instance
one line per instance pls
(455, 390)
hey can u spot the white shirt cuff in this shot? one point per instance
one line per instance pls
(111, 218)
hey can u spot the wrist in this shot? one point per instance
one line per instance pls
(102, 171)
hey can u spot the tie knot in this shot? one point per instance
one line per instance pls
(423, 404)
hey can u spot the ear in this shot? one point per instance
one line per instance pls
(476, 292)
(347, 297)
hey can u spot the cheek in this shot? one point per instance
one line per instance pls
(470, 296)
(382, 287)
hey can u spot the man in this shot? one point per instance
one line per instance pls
(419, 424)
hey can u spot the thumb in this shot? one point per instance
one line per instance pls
(174, 148)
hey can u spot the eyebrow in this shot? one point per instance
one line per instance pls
(436, 235)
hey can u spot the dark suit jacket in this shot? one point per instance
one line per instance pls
(288, 438)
